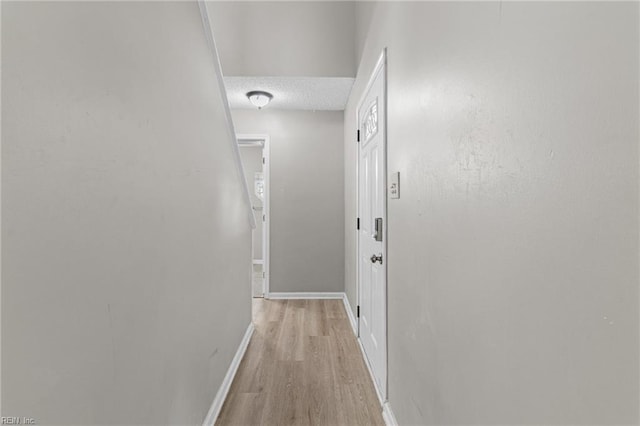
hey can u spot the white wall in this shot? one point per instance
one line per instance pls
(126, 244)
(307, 199)
(294, 39)
(513, 251)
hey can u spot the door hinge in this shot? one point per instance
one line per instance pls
(358, 223)
(264, 217)
(358, 135)
(263, 160)
(264, 275)
(358, 312)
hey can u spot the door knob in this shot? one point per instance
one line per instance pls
(377, 258)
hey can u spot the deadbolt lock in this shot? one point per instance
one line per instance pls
(378, 229)
(377, 258)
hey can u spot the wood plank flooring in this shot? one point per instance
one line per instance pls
(303, 366)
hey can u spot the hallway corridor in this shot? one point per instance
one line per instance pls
(303, 367)
(465, 175)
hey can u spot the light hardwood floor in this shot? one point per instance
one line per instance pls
(303, 366)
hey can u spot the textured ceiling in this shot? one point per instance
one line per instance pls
(301, 93)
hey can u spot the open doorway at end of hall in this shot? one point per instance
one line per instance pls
(254, 153)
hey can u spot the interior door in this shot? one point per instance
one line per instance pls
(372, 233)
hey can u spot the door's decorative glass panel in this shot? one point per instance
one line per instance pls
(258, 184)
(371, 121)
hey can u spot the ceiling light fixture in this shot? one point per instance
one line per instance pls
(259, 98)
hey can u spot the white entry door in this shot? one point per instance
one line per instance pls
(372, 233)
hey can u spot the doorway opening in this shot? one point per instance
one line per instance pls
(254, 153)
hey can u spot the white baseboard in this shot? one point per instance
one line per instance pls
(216, 406)
(304, 295)
(352, 318)
(388, 416)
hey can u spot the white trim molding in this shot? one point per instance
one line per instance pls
(304, 295)
(388, 416)
(216, 405)
(352, 318)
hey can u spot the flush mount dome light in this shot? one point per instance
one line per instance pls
(259, 98)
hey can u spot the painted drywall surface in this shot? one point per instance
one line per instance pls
(285, 38)
(252, 163)
(362, 25)
(307, 198)
(513, 250)
(126, 243)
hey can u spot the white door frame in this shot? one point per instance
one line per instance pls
(262, 140)
(381, 64)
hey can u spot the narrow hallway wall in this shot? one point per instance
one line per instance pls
(307, 198)
(513, 250)
(126, 243)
